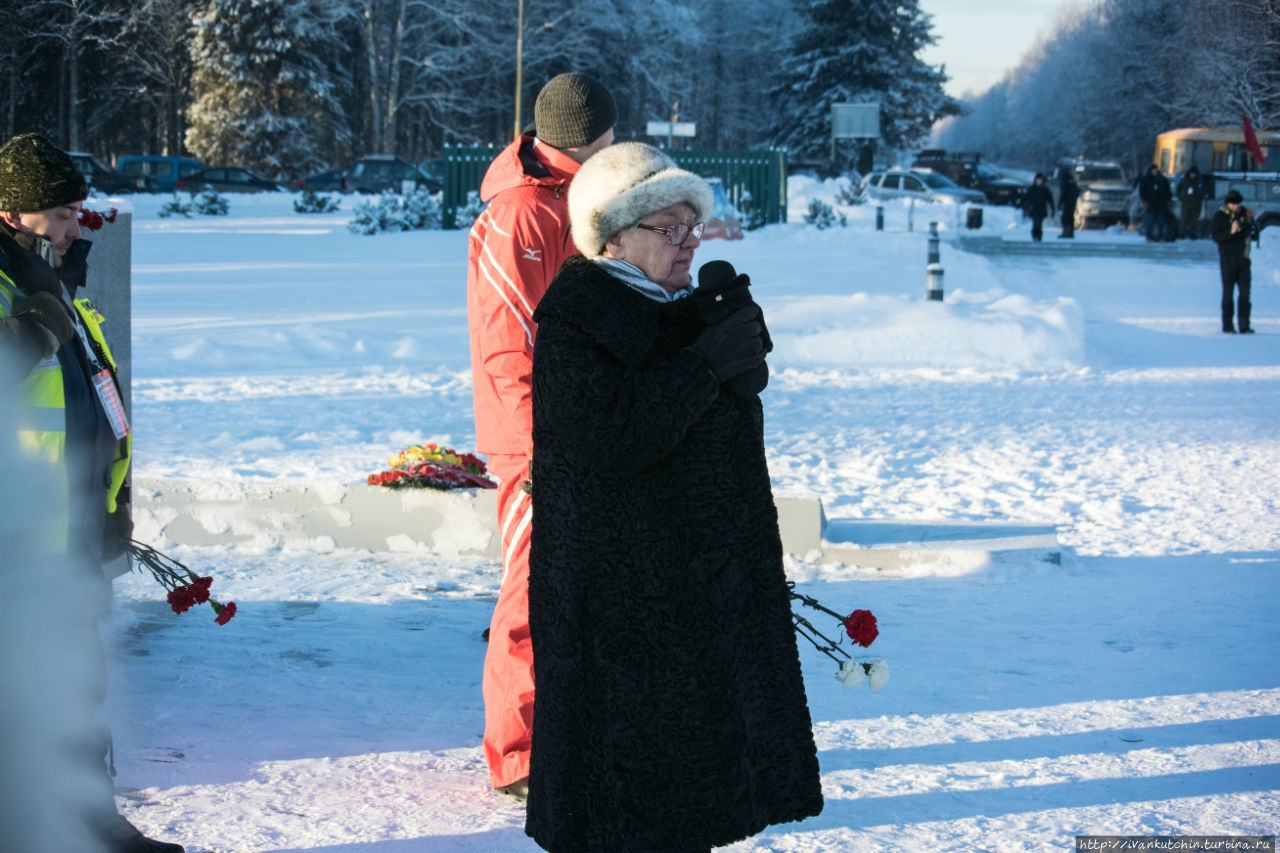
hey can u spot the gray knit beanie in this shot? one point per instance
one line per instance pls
(36, 175)
(573, 110)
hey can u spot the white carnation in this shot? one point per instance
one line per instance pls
(879, 675)
(851, 673)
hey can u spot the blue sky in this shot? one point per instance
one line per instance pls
(981, 39)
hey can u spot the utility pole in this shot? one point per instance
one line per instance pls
(519, 64)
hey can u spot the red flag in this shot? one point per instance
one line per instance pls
(1251, 141)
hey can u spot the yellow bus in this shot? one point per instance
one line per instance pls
(1214, 149)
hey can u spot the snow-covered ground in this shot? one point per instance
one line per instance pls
(1132, 689)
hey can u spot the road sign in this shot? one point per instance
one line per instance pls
(671, 128)
(855, 121)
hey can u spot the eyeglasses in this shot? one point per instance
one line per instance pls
(677, 233)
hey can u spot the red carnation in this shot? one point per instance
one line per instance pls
(200, 589)
(225, 612)
(181, 599)
(90, 219)
(861, 627)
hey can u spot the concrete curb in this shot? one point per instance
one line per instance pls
(1180, 251)
(325, 517)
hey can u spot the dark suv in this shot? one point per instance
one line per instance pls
(967, 169)
(106, 180)
(379, 173)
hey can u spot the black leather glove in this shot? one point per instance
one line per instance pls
(116, 533)
(733, 346)
(50, 315)
(715, 302)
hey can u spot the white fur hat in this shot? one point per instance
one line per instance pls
(623, 183)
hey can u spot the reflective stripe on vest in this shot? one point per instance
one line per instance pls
(7, 287)
(41, 410)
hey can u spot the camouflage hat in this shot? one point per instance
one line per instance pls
(35, 175)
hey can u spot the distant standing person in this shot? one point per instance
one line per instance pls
(1038, 204)
(1068, 194)
(1232, 230)
(516, 246)
(1191, 194)
(1156, 194)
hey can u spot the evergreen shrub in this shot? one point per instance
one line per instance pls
(311, 202)
(414, 211)
(821, 215)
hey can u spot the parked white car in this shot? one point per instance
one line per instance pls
(921, 184)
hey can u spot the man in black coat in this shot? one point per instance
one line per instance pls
(1233, 228)
(1038, 204)
(1068, 194)
(1191, 192)
(1156, 194)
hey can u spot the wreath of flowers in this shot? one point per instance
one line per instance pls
(860, 626)
(433, 467)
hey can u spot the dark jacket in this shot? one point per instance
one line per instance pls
(1232, 245)
(1154, 190)
(20, 333)
(1191, 190)
(1068, 192)
(670, 712)
(1038, 201)
(90, 442)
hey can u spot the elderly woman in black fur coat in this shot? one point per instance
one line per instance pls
(670, 711)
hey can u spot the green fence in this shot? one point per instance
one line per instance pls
(464, 169)
(755, 181)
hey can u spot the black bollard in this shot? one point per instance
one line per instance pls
(933, 283)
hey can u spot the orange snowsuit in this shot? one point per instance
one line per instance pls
(516, 247)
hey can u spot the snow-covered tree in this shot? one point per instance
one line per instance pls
(426, 68)
(1111, 76)
(849, 51)
(1230, 54)
(154, 65)
(265, 86)
(70, 37)
(728, 72)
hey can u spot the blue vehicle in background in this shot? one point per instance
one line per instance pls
(163, 170)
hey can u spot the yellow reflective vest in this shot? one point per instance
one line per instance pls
(41, 408)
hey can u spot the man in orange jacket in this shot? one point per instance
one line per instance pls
(516, 247)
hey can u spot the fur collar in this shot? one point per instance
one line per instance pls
(616, 317)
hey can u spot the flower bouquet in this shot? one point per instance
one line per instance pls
(860, 626)
(93, 220)
(185, 588)
(433, 467)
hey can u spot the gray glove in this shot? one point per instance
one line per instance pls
(733, 346)
(47, 313)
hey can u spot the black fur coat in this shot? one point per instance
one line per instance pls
(670, 711)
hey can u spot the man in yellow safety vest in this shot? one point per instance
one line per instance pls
(60, 384)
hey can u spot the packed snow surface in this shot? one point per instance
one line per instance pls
(1132, 689)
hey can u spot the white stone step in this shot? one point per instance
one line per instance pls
(323, 517)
